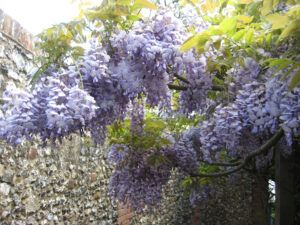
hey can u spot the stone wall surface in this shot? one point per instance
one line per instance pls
(67, 185)
(230, 204)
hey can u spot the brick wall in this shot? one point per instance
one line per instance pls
(125, 213)
(15, 31)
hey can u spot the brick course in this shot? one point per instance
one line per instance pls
(125, 213)
(15, 31)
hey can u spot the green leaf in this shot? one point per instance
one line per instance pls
(277, 20)
(124, 2)
(187, 181)
(293, 67)
(239, 35)
(277, 62)
(133, 18)
(139, 4)
(291, 27)
(214, 32)
(154, 125)
(267, 7)
(295, 80)
(189, 43)
(157, 160)
(164, 141)
(203, 38)
(246, 1)
(228, 25)
(294, 9)
(275, 3)
(283, 65)
(249, 36)
(217, 44)
(269, 38)
(245, 19)
(36, 76)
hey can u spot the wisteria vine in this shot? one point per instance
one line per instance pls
(101, 89)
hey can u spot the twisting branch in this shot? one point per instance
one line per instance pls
(218, 88)
(265, 147)
(184, 88)
(225, 164)
(177, 87)
(182, 78)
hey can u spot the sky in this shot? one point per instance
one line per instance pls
(36, 15)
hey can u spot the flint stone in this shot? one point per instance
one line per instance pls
(2, 54)
(31, 220)
(8, 177)
(53, 168)
(5, 214)
(50, 216)
(32, 204)
(71, 183)
(82, 151)
(4, 189)
(18, 60)
(12, 74)
(2, 169)
(1, 81)
(47, 151)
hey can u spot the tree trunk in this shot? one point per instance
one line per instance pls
(260, 201)
(285, 188)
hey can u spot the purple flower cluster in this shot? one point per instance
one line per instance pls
(183, 153)
(243, 75)
(153, 50)
(51, 110)
(258, 110)
(222, 131)
(135, 181)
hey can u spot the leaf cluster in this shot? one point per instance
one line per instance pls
(249, 26)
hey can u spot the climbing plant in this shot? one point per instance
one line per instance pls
(207, 89)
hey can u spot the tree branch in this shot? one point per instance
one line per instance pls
(184, 88)
(177, 87)
(265, 147)
(224, 164)
(218, 88)
(182, 78)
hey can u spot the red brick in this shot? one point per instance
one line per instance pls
(7, 24)
(22, 36)
(126, 222)
(93, 177)
(125, 217)
(31, 42)
(124, 211)
(32, 153)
